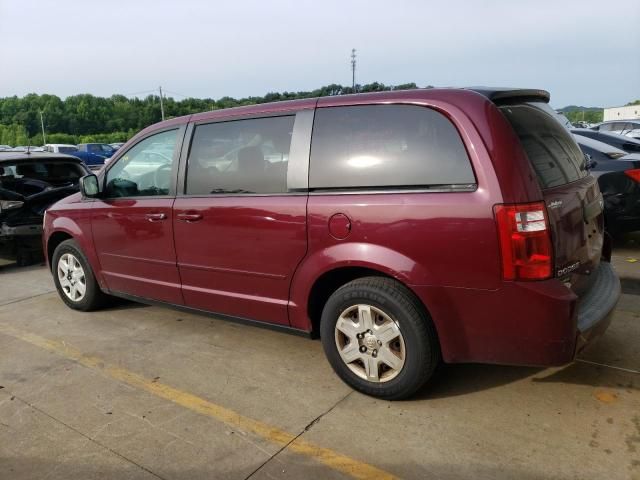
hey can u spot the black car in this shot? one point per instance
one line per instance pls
(618, 175)
(29, 183)
(628, 144)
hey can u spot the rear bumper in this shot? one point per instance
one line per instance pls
(595, 309)
(522, 323)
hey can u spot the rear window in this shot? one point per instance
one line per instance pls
(67, 149)
(553, 153)
(386, 146)
(28, 178)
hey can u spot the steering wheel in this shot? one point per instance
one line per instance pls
(164, 169)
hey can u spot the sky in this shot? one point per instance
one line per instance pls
(585, 52)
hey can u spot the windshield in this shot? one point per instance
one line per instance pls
(553, 153)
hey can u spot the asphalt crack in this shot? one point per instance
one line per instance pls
(589, 362)
(141, 467)
(308, 427)
(18, 300)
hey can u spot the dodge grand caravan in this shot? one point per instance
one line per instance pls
(404, 228)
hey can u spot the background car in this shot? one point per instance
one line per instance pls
(94, 154)
(618, 175)
(628, 144)
(628, 128)
(29, 184)
(60, 148)
(116, 145)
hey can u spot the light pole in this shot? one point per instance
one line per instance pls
(353, 69)
(44, 138)
(161, 104)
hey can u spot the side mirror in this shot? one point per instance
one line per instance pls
(89, 186)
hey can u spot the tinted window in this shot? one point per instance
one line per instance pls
(242, 156)
(67, 149)
(386, 146)
(145, 169)
(552, 151)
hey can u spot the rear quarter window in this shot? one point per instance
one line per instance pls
(552, 151)
(378, 146)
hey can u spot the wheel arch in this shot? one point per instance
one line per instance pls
(64, 228)
(325, 271)
(55, 239)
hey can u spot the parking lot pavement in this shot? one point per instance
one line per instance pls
(149, 392)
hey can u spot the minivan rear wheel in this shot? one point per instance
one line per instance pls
(74, 278)
(379, 339)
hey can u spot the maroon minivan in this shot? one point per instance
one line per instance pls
(404, 228)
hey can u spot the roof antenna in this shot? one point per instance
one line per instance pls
(29, 149)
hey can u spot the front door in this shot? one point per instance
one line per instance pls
(131, 222)
(240, 233)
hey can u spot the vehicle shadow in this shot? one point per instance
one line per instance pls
(463, 379)
(116, 304)
(630, 286)
(11, 267)
(581, 373)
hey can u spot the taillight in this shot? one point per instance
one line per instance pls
(633, 174)
(525, 241)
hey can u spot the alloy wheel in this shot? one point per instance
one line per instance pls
(72, 277)
(370, 343)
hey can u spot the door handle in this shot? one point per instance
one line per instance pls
(189, 217)
(155, 217)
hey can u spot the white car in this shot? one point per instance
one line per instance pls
(60, 148)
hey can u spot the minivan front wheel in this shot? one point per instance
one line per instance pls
(379, 339)
(74, 279)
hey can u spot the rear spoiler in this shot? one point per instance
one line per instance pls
(509, 95)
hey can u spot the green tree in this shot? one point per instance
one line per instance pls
(87, 118)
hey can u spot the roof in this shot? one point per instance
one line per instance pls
(623, 120)
(596, 145)
(414, 95)
(589, 132)
(24, 157)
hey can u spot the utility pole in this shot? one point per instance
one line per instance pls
(353, 69)
(44, 138)
(161, 103)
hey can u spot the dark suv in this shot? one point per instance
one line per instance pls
(404, 228)
(30, 182)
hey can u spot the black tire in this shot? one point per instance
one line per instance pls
(24, 259)
(93, 298)
(421, 345)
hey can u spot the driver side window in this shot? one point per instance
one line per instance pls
(144, 170)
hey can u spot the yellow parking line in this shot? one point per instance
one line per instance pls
(328, 457)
